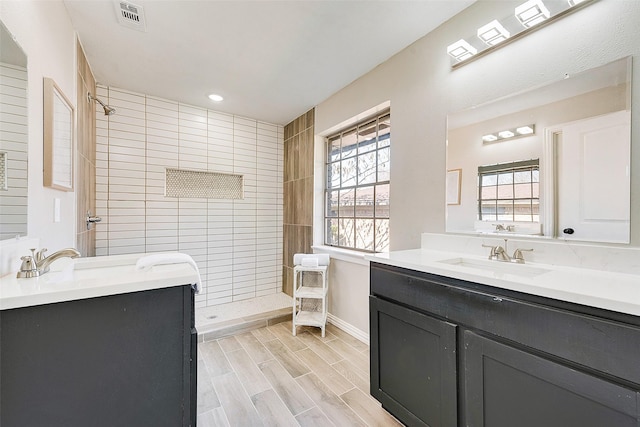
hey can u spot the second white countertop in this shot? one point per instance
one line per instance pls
(89, 278)
(596, 288)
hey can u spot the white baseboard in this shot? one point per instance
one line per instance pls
(348, 328)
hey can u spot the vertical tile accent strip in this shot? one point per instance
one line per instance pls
(85, 155)
(298, 192)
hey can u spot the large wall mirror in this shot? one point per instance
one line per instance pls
(13, 137)
(553, 161)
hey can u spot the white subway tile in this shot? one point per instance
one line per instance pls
(220, 117)
(123, 250)
(162, 104)
(212, 301)
(118, 95)
(237, 244)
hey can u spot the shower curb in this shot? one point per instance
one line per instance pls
(243, 324)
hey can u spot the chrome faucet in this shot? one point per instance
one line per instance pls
(518, 257)
(498, 253)
(37, 264)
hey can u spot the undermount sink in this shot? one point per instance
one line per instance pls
(497, 267)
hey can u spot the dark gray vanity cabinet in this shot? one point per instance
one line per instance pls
(506, 386)
(517, 359)
(413, 371)
(117, 360)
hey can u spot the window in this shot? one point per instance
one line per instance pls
(357, 187)
(509, 192)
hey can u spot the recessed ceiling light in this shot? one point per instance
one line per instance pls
(215, 97)
(489, 138)
(505, 134)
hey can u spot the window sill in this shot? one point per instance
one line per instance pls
(354, 257)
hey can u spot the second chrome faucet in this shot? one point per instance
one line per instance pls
(37, 264)
(500, 253)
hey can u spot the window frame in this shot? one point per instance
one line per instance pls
(382, 143)
(512, 167)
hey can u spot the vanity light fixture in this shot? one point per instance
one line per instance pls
(215, 97)
(530, 16)
(532, 13)
(461, 50)
(493, 33)
(509, 134)
(525, 130)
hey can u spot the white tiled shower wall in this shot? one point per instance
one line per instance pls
(236, 244)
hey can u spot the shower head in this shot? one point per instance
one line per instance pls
(107, 110)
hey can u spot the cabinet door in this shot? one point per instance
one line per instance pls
(413, 365)
(118, 360)
(504, 387)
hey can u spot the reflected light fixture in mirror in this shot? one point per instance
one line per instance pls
(526, 18)
(509, 134)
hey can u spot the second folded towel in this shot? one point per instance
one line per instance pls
(311, 260)
(148, 261)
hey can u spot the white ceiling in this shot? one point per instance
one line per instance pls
(271, 60)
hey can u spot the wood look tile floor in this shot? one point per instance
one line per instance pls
(268, 377)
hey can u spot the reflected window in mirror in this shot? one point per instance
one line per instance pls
(509, 192)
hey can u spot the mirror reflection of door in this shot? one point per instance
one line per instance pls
(593, 184)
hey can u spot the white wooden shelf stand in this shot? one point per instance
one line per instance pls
(301, 290)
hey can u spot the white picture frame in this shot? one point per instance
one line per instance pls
(59, 137)
(454, 183)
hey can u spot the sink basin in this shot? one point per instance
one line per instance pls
(497, 267)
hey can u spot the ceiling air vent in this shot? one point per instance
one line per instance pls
(131, 15)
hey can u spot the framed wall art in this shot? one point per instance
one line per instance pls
(58, 138)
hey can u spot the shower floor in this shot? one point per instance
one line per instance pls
(235, 317)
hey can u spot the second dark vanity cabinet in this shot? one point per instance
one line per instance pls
(415, 365)
(506, 386)
(446, 352)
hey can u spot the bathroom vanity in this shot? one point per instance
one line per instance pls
(455, 343)
(102, 344)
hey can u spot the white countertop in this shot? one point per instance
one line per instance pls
(89, 278)
(603, 289)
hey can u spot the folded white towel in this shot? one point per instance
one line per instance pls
(309, 261)
(146, 262)
(323, 259)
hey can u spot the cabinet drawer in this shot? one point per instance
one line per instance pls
(597, 343)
